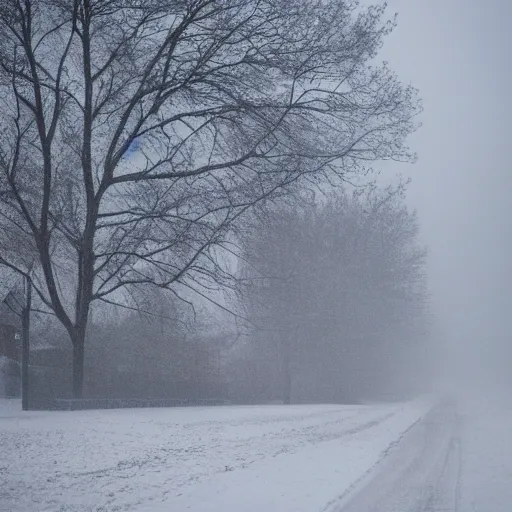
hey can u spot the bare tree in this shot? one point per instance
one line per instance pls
(135, 133)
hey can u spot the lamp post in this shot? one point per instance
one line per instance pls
(25, 347)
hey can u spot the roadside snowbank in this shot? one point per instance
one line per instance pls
(295, 458)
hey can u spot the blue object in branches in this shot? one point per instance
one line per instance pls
(132, 148)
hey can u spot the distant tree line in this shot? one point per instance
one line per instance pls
(337, 296)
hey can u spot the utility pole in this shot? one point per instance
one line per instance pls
(25, 351)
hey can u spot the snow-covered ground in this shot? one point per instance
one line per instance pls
(253, 458)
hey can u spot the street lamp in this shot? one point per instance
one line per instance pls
(25, 347)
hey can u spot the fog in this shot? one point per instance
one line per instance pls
(458, 54)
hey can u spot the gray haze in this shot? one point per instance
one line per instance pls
(457, 52)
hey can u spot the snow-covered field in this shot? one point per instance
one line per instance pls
(244, 458)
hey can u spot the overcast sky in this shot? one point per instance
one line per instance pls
(458, 53)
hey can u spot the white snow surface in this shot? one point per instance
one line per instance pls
(236, 458)
(486, 455)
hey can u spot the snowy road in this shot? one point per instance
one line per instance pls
(458, 458)
(421, 474)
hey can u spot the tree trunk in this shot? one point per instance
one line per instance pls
(78, 363)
